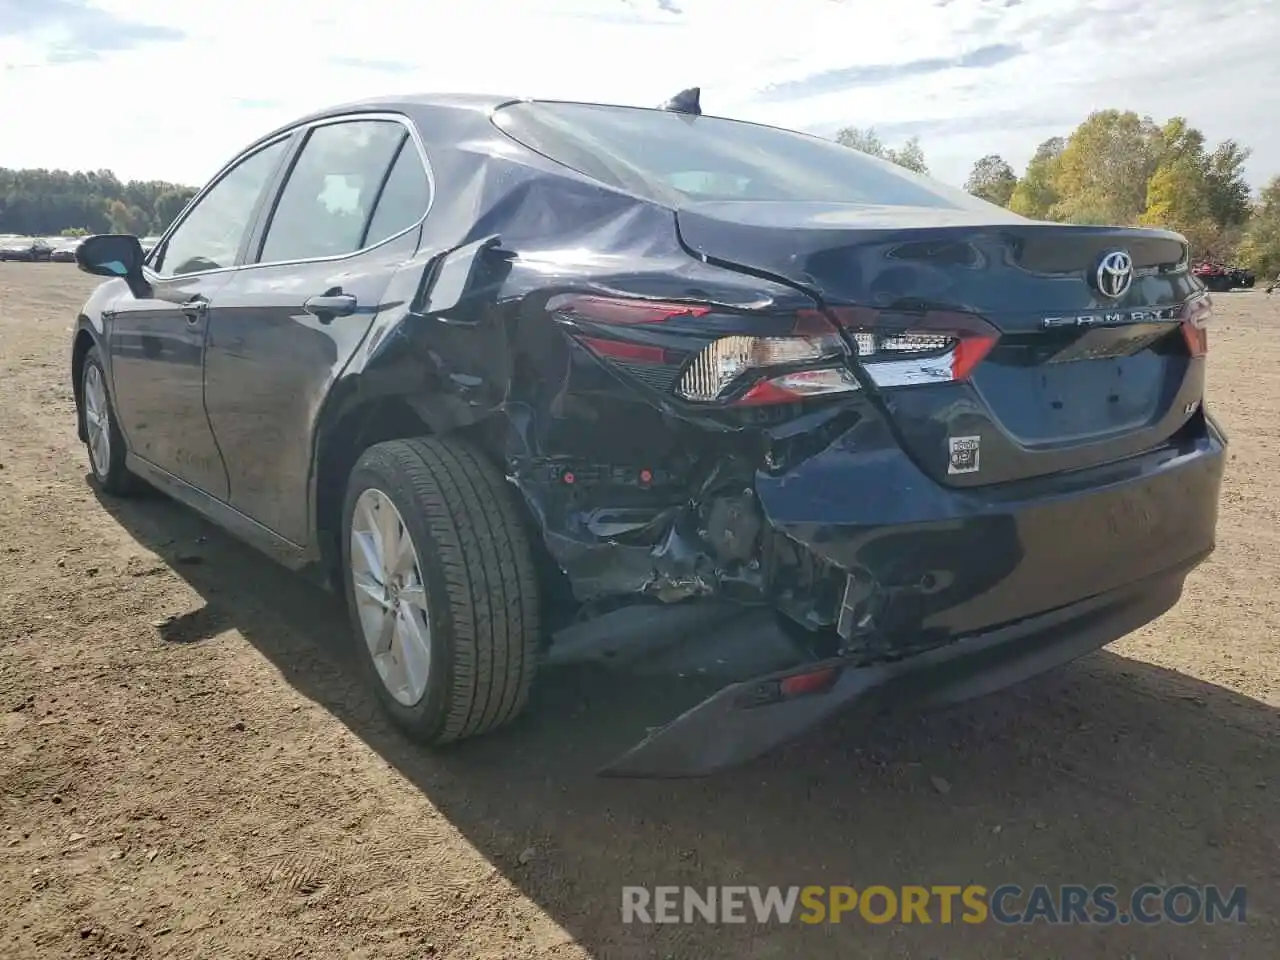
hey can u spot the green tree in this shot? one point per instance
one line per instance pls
(1178, 191)
(1228, 189)
(1178, 199)
(992, 179)
(45, 202)
(1036, 193)
(867, 141)
(125, 218)
(1260, 247)
(75, 232)
(1180, 140)
(1102, 174)
(1202, 195)
(909, 155)
(169, 204)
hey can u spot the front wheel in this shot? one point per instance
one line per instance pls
(103, 440)
(441, 586)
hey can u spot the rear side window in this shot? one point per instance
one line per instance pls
(675, 158)
(329, 196)
(404, 198)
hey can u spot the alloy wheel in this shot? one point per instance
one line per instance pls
(390, 596)
(97, 421)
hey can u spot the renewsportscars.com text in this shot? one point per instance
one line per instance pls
(943, 904)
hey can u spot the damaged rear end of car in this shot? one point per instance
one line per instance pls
(949, 447)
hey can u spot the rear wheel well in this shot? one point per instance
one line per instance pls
(390, 418)
(393, 418)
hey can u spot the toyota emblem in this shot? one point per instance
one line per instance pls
(1115, 274)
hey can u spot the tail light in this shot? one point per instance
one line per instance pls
(761, 359)
(714, 370)
(902, 348)
(613, 310)
(758, 359)
(1196, 314)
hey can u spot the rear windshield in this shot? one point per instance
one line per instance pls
(675, 158)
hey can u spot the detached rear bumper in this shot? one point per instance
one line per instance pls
(975, 590)
(747, 719)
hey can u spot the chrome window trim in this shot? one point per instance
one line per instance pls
(399, 118)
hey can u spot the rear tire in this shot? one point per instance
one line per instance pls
(104, 442)
(448, 635)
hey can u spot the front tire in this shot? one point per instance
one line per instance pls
(103, 440)
(441, 586)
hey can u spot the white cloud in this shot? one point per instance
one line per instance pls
(95, 83)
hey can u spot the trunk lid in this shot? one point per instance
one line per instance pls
(1075, 378)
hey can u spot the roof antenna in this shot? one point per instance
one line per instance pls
(686, 101)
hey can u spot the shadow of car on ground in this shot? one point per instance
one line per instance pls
(1106, 771)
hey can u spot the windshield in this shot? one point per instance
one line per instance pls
(676, 158)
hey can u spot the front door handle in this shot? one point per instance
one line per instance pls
(330, 304)
(195, 309)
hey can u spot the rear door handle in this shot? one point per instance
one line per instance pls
(326, 306)
(195, 309)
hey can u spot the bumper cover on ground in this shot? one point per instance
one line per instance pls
(740, 722)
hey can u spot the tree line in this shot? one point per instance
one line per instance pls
(40, 203)
(1119, 168)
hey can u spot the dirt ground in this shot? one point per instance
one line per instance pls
(191, 767)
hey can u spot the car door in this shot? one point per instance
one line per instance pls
(288, 323)
(157, 342)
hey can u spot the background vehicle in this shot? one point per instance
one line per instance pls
(1243, 277)
(1220, 277)
(26, 249)
(504, 368)
(65, 252)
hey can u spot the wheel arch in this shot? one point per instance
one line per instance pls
(352, 421)
(83, 343)
(358, 422)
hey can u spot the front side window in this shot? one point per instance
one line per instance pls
(327, 201)
(210, 235)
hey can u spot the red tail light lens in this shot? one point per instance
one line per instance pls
(1195, 320)
(615, 310)
(903, 348)
(805, 358)
(712, 373)
(800, 385)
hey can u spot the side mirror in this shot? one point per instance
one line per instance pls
(113, 255)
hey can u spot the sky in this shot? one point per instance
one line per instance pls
(173, 90)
